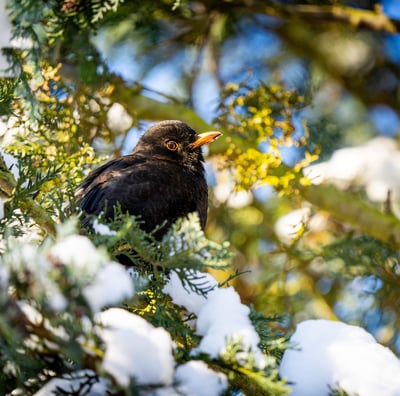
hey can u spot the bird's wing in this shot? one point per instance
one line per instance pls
(144, 188)
(92, 193)
(94, 178)
(158, 193)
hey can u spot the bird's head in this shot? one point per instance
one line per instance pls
(175, 141)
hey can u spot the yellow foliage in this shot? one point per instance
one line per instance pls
(59, 138)
(260, 122)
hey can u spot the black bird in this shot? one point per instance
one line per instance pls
(160, 181)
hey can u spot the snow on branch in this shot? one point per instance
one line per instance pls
(69, 307)
(326, 355)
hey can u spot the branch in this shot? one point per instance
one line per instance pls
(355, 17)
(362, 216)
(146, 108)
(29, 206)
(7, 180)
(39, 216)
(363, 85)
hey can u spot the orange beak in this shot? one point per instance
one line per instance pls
(204, 138)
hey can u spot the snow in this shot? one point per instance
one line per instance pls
(102, 229)
(331, 355)
(26, 258)
(327, 355)
(31, 313)
(224, 191)
(111, 285)
(134, 349)
(221, 319)
(374, 165)
(289, 227)
(32, 341)
(4, 277)
(79, 254)
(118, 119)
(104, 282)
(224, 318)
(195, 378)
(193, 302)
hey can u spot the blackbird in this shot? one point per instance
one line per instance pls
(160, 181)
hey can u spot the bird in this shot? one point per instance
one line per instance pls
(160, 181)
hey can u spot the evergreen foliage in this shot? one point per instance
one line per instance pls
(56, 108)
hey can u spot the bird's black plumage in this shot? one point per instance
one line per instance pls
(160, 181)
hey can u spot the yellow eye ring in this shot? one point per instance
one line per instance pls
(171, 145)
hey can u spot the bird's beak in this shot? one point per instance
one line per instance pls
(204, 138)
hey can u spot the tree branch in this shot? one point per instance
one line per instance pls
(39, 215)
(7, 180)
(370, 19)
(146, 108)
(362, 216)
(29, 206)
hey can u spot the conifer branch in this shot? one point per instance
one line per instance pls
(362, 216)
(370, 19)
(7, 180)
(39, 215)
(27, 205)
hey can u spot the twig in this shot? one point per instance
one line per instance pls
(364, 217)
(370, 19)
(28, 206)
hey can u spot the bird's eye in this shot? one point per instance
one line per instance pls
(171, 145)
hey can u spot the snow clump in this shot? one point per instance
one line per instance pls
(329, 355)
(221, 318)
(374, 165)
(134, 349)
